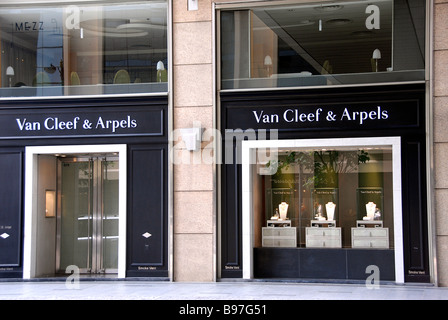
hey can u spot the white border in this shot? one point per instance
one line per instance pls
(30, 228)
(248, 157)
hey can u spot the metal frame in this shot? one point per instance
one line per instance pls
(432, 232)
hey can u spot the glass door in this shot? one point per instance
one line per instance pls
(88, 214)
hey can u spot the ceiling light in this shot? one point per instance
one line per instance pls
(140, 26)
(329, 8)
(339, 22)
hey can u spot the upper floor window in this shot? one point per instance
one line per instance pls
(323, 44)
(83, 49)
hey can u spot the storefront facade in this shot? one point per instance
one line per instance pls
(310, 165)
(302, 104)
(84, 145)
(331, 183)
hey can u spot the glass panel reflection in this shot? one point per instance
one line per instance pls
(323, 44)
(76, 215)
(329, 198)
(84, 49)
(110, 214)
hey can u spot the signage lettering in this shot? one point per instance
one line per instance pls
(30, 26)
(361, 116)
(293, 115)
(296, 116)
(55, 124)
(82, 122)
(28, 126)
(115, 124)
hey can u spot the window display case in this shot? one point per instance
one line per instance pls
(279, 233)
(369, 231)
(279, 203)
(319, 237)
(338, 176)
(370, 204)
(324, 203)
(326, 198)
(370, 234)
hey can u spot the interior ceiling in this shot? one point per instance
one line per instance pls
(339, 21)
(343, 31)
(143, 25)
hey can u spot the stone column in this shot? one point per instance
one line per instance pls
(441, 136)
(194, 212)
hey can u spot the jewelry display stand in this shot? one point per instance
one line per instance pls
(318, 236)
(370, 234)
(279, 233)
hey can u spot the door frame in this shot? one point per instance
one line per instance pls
(32, 199)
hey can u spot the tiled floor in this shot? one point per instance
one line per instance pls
(164, 290)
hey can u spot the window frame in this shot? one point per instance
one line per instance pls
(229, 6)
(249, 149)
(50, 3)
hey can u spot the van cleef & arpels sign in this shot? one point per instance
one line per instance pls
(360, 115)
(83, 122)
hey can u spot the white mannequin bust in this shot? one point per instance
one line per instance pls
(283, 208)
(370, 208)
(330, 207)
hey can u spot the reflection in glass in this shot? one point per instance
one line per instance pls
(84, 49)
(327, 186)
(89, 218)
(322, 44)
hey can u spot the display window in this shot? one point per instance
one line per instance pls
(322, 194)
(334, 189)
(322, 44)
(83, 49)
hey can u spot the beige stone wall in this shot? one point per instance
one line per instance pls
(193, 213)
(441, 136)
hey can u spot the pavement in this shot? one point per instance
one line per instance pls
(215, 300)
(217, 291)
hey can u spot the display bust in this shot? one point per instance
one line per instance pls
(330, 207)
(283, 208)
(370, 209)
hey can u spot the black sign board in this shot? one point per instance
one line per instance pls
(10, 214)
(348, 115)
(85, 122)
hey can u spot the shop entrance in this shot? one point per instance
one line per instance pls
(88, 219)
(75, 210)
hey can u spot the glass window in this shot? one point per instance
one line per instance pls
(332, 197)
(323, 44)
(84, 49)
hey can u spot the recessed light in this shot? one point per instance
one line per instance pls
(339, 22)
(329, 8)
(362, 33)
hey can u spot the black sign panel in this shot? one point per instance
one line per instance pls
(85, 122)
(11, 211)
(147, 244)
(353, 115)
